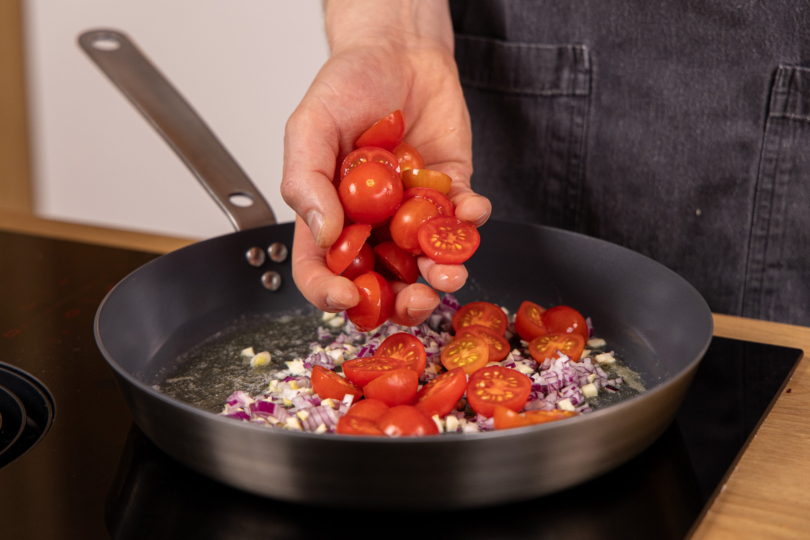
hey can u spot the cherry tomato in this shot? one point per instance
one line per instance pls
(467, 352)
(369, 154)
(507, 419)
(372, 409)
(404, 420)
(495, 385)
(404, 347)
(436, 197)
(498, 346)
(376, 302)
(547, 346)
(370, 193)
(361, 264)
(440, 395)
(439, 181)
(528, 321)
(541, 417)
(407, 220)
(386, 134)
(565, 320)
(382, 233)
(482, 313)
(408, 157)
(399, 262)
(448, 240)
(362, 371)
(357, 425)
(396, 387)
(347, 247)
(329, 385)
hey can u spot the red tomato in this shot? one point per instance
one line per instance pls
(528, 321)
(498, 346)
(376, 302)
(448, 240)
(399, 262)
(467, 352)
(357, 425)
(547, 346)
(404, 347)
(366, 155)
(372, 409)
(370, 193)
(565, 320)
(381, 233)
(482, 313)
(362, 371)
(329, 385)
(507, 419)
(436, 197)
(439, 181)
(406, 421)
(387, 133)
(440, 395)
(495, 385)
(408, 157)
(347, 247)
(361, 264)
(407, 220)
(396, 387)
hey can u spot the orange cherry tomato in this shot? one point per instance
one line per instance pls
(347, 247)
(436, 197)
(387, 133)
(565, 320)
(396, 260)
(362, 371)
(376, 302)
(408, 157)
(547, 346)
(370, 193)
(498, 346)
(495, 385)
(372, 409)
(440, 395)
(329, 385)
(482, 313)
(448, 240)
(507, 419)
(404, 347)
(357, 425)
(396, 387)
(361, 264)
(408, 219)
(528, 321)
(439, 181)
(468, 352)
(542, 417)
(368, 154)
(405, 421)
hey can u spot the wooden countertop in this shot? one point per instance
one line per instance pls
(766, 496)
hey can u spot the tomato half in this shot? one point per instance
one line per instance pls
(448, 240)
(366, 155)
(565, 320)
(404, 421)
(362, 371)
(329, 385)
(504, 418)
(347, 247)
(372, 409)
(440, 395)
(376, 302)
(396, 260)
(396, 387)
(495, 385)
(361, 264)
(408, 157)
(408, 219)
(481, 313)
(528, 321)
(404, 347)
(542, 417)
(436, 197)
(357, 425)
(370, 193)
(387, 133)
(439, 181)
(547, 346)
(468, 352)
(498, 346)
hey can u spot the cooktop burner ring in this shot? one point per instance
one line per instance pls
(14, 418)
(30, 405)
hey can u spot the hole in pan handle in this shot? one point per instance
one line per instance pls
(180, 126)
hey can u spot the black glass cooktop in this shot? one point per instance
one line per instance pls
(95, 475)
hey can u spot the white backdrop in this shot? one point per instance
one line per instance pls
(244, 66)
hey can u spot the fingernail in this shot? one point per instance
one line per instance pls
(480, 220)
(417, 313)
(315, 222)
(335, 304)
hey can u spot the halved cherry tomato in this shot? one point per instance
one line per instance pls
(528, 322)
(372, 409)
(361, 264)
(482, 313)
(370, 193)
(439, 181)
(376, 302)
(440, 395)
(405, 420)
(408, 219)
(362, 371)
(498, 346)
(408, 157)
(347, 247)
(387, 133)
(468, 352)
(404, 347)
(436, 197)
(506, 419)
(495, 385)
(542, 417)
(396, 387)
(369, 154)
(399, 262)
(565, 320)
(448, 240)
(329, 385)
(357, 425)
(547, 346)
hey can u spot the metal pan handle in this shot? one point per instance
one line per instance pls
(180, 126)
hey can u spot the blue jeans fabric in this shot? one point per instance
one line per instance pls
(679, 129)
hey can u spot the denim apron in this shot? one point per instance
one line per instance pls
(677, 128)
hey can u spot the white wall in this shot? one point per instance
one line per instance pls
(243, 65)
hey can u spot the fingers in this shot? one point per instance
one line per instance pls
(443, 277)
(413, 303)
(469, 206)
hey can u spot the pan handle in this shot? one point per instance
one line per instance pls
(180, 126)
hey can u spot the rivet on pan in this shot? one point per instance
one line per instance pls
(278, 252)
(255, 256)
(271, 280)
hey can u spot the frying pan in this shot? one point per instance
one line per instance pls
(649, 315)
